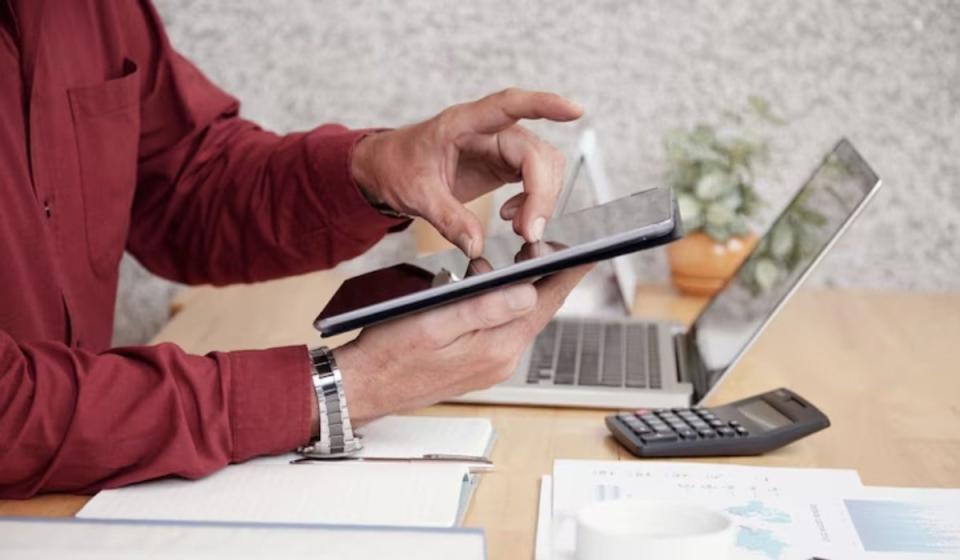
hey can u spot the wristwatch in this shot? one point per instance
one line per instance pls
(336, 434)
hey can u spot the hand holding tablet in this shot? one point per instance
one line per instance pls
(626, 225)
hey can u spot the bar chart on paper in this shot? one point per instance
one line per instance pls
(906, 527)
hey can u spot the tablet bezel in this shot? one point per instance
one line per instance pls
(644, 237)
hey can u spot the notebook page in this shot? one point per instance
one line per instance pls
(394, 494)
(107, 540)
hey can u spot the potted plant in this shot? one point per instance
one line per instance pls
(713, 175)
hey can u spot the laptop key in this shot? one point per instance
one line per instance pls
(612, 356)
(590, 354)
(653, 355)
(541, 359)
(567, 356)
(635, 356)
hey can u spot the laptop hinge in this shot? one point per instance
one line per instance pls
(679, 344)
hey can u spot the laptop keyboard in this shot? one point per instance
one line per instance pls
(596, 354)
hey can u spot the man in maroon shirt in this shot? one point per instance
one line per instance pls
(110, 140)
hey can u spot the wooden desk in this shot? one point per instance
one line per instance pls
(883, 366)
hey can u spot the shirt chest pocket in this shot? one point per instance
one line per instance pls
(106, 119)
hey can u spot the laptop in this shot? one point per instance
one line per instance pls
(631, 363)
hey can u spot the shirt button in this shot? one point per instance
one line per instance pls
(47, 209)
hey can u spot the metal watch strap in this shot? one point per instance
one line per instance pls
(336, 433)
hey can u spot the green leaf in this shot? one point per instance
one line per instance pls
(740, 226)
(719, 215)
(781, 241)
(767, 274)
(690, 212)
(715, 185)
(731, 200)
(717, 233)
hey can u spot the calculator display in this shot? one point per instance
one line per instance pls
(763, 414)
(778, 263)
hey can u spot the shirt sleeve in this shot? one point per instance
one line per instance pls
(220, 200)
(74, 421)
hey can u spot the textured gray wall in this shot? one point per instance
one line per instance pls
(885, 74)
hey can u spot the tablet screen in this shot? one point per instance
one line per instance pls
(566, 235)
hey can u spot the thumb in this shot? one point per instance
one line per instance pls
(457, 224)
(486, 311)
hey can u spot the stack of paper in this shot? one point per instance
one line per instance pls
(105, 540)
(781, 512)
(386, 493)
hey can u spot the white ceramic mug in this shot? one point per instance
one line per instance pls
(641, 529)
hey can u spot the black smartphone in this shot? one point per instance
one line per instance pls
(626, 225)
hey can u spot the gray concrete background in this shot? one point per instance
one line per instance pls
(885, 74)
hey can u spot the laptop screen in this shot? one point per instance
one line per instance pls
(803, 231)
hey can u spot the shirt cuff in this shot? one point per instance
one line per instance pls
(330, 148)
(270, 399)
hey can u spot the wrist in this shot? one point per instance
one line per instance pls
(361, 166)
(365, 402)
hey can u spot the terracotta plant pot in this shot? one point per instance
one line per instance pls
(701, 266)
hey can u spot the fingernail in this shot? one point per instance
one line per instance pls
(509, 213)
(520, 297)
(466, 244)
(536, 230)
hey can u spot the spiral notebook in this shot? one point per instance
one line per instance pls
(401, 492)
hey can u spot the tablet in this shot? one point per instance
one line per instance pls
(626, 225)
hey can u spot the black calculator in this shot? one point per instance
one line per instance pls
(750, 426)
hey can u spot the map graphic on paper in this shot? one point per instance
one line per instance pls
(760, 529)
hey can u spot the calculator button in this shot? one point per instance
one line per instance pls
(709, 434)
(641, 430)
(669, 417)
(626, 416)
(688, 434)
(715, 423)
(742, 431)
(699, 425)
(659, 438)
(734, 423)
(727, 432)
(649, 418)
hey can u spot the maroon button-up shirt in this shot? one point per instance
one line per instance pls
(109, 140)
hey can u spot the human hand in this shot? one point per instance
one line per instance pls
(468, 345)
(431, 168)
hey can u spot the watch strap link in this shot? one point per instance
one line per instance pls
(336, 435)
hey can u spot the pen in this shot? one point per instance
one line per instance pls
(429, 457)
